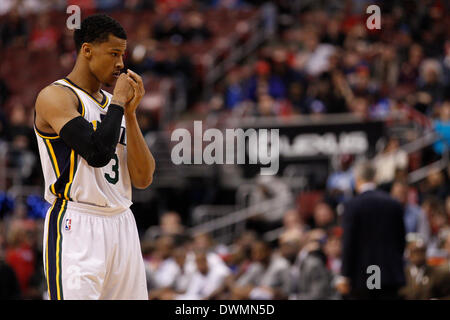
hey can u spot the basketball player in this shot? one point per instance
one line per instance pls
(92, 151)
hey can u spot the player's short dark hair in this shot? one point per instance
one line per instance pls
(97, 28)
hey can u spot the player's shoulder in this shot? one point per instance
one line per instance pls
(55, 93)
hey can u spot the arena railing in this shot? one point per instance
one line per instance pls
(261, 28)
(221, 228)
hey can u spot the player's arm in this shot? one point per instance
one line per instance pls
(141, 164)
(56, 109)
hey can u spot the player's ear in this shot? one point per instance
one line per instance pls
(86, 50)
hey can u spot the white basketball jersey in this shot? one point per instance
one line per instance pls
(68, 176)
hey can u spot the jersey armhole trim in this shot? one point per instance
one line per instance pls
(81, 108)
(45, 135)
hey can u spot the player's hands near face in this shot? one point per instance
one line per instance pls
(123, 91)
(138, 86)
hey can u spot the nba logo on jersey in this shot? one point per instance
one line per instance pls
(68, 224)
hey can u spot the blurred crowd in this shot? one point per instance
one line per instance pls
(322, 60)
(327, 61)
(302, 263)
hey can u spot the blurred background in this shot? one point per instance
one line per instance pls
(338, 92)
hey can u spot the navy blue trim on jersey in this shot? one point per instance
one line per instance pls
(54, 249)
(76, 86)
(62, 154)
(43, 134)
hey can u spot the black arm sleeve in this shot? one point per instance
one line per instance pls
(96, 147)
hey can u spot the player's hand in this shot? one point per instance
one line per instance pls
(123, 91)
(138, 86)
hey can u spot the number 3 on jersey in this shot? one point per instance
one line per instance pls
(114, 176)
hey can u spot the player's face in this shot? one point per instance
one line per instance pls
(107, 59)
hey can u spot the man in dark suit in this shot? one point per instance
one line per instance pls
(374, 235)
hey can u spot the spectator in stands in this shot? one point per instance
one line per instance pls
(195, 29)
(182, 279)
(422, 280)
(266, 278)
(13, 30)
(234, 92)
(20, 252)
(446, 247)
(446, 62)
(290, 243)
(430, 80)
(170, 223)
(292, 221)
(324, 216)
(447, 208)
(327, 97)
(315, 280)
(298, 98)
(389, 161)
(238, 261)
(264, 82)
(386, 68)
(161, 268)
(210, 274)
(176, 278)
(203, 241)
(333, 250)
(314, 58)
(44, 36)
(266, 106)
(341, 183)
(434, 185)
(442, 127)
(409, 70)
(169, 28)
(65, 43)
(21, 155)
(10, 288)
(438, 223)
(415, 219)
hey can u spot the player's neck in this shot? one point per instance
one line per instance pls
(83, 78)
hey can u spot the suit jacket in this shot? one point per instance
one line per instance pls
(374, 234)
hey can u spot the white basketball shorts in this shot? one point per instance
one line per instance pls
(92, 254)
